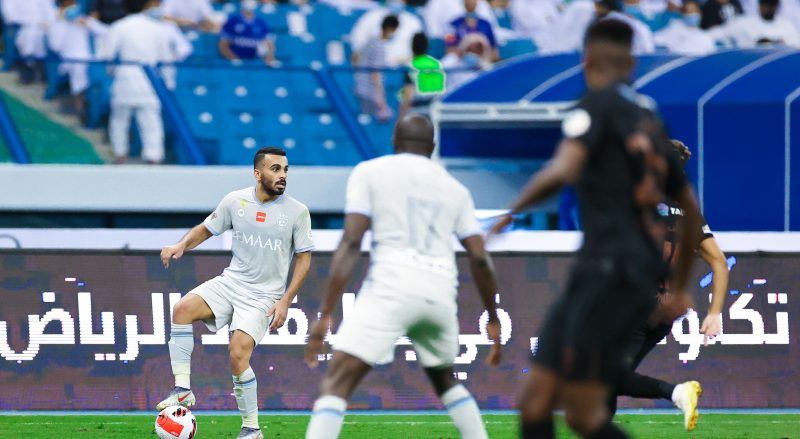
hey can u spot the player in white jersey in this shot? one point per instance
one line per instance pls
(250, 296)
(414, 208)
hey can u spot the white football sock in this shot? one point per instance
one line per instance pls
(181, 344)
(327, 418)
(463, 409)
(246, 391)
(677, 392)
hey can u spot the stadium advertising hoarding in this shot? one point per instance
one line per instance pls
(88, 330)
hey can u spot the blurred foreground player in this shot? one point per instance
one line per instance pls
(269, 229)
(615, 153)
(414, 207)
(644, 338)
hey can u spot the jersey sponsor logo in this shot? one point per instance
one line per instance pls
(576, 124)
(256, 240)
(663, 209)
(261, 217)
(242, 203)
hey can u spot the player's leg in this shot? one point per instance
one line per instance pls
(151, 131)
(365, 338)
(537, 400)
(206, 303)
(248, 326)
(119, 126)
(245, 386)
(343, 375)
(684, 395)
(460, 404)
(585, 409)
(539, 394)
(435, 338)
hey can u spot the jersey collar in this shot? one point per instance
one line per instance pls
(258, 202)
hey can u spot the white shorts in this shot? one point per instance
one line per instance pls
(376, 322)
(233, 305)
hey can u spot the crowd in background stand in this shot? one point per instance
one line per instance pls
(153, 31)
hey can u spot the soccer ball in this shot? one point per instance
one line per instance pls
(176, 422)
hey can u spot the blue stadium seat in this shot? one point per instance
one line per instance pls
(513, 48)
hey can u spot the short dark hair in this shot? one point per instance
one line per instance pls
(135, 6)
(419, 44)
(610, 31)
(390, 22)
(270, 150)
(769, 2)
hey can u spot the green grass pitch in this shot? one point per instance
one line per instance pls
(392, 426)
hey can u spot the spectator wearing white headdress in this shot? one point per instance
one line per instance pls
(683, 35)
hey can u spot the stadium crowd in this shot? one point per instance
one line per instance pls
(465, 35)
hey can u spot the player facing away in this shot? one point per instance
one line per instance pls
(414, 208)
(645, 337)
(269, 229)
(615, 153)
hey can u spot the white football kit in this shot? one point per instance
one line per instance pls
(415, 208)
(265, 238)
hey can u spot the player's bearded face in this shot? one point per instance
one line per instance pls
(273, 175)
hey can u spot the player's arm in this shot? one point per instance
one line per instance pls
(711, 253)
(480, 264)
(679, 301)
(302, 265)
(563, 169)
(194, 237)
(342, 266)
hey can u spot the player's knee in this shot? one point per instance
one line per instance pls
(182, 312)
(585, 422)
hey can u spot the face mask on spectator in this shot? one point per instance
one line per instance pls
(155, 13)
(249, 6)
(72, 13)
(692, 20)
(632, 10)
(471, 60)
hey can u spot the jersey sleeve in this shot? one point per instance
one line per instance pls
(705, 230)
(358, 194)
(220, 219)
(301, 233)
(227, 31)
(466, 223)
(584, 123)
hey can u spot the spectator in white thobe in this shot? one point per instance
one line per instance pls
(766, 28)
(141, 38)
(683, 34)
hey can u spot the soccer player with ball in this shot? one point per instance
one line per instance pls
(269, 229)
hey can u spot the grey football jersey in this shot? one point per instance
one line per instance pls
(265, 238)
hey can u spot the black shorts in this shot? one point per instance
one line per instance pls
(586, 329)
(641, 341)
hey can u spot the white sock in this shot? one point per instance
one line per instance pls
(246, 391)
(676, 394)
(181, 344)
(463, 409)
(327, 418)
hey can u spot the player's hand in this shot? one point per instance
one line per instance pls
(316, 338)
(171, 252)
(711, 327)
(493, 331)
(280, 310)
(502, 222)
